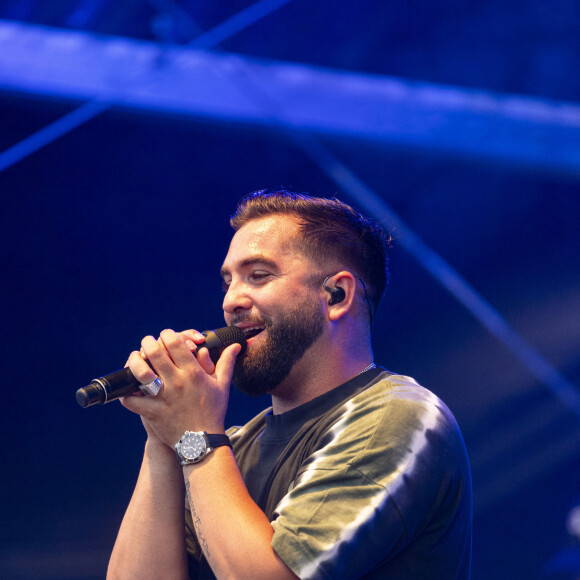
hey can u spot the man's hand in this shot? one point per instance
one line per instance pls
(194, 397)
(195, 393)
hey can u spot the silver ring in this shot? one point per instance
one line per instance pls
(151, 389)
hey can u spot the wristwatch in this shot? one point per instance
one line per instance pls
(193, 446)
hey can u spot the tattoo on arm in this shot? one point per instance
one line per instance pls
(197, 523)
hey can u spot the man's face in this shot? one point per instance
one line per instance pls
(271, 297)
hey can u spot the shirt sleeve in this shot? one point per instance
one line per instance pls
(380, 478)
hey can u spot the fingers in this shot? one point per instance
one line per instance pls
(140, 369)
(226, 363)
(172, 351)
(194, 335)
(168, 352)
(205, 361)
(195, 393)
(147, 407)
(176, 348)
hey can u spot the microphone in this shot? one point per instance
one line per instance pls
(122, 382)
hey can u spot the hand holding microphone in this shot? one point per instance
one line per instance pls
(122, 382)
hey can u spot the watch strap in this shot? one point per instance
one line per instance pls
(217, 441)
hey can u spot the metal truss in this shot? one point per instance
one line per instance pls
(532, 134)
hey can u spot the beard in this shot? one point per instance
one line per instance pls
(287, 339)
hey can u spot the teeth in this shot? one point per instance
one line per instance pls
(253, 329)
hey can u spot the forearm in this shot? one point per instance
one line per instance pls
(234, 533)
(151, 540)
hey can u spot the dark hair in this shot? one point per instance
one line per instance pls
(332, 234)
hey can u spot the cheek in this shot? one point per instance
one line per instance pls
(268, 300)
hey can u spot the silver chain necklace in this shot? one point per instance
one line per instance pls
(371, 366)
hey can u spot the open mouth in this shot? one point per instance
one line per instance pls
(252, 331)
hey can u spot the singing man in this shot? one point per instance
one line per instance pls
(353, 472)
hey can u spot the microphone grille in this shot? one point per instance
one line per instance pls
(220, 338)
(230, 335)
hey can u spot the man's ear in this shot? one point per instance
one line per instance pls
(342, 289)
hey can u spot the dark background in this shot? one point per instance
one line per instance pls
(117, 230)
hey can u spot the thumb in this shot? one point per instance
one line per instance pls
(225, 365)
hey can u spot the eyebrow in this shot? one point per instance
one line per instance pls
(251, 262)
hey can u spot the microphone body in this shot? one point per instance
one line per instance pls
(122, 382)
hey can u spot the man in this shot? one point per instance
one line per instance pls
(355, 472)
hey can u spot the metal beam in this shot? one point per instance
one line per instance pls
(530, 133)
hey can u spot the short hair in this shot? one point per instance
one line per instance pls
(332, 234)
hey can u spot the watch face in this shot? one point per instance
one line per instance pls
(193, 446)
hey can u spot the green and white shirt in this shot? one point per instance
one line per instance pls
(370, 480)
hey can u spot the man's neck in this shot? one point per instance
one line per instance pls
(313, 376)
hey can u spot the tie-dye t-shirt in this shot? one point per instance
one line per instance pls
(370, 480)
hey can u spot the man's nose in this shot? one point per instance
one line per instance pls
(236, 299)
